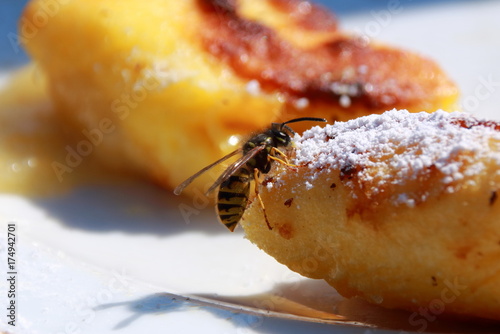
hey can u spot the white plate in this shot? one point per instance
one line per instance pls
(98, 259)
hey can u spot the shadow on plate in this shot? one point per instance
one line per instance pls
(164, 303)
(310, 301)
(136, 208)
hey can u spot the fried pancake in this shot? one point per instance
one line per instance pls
(165, 88)
(400, 209)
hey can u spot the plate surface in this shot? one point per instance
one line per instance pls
(100, 259)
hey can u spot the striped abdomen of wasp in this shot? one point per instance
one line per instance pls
(258, 154)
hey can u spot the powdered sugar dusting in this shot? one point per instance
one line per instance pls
(397, 146)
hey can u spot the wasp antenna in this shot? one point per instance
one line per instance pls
(284, 126)
(301, 119)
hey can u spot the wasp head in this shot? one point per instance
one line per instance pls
(281, 136)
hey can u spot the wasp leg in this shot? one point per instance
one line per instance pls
(285, 161)
(256, 178)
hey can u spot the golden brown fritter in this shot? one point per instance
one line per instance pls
(167, 87)
(400, 209)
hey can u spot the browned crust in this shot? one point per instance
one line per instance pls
(370, 194)
(372, 77)
(469, 123)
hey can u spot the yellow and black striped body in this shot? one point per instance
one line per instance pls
(232, 198)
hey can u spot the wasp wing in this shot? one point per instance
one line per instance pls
(188, 181)
(235, 166)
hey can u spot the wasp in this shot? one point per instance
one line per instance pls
(258, 153)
